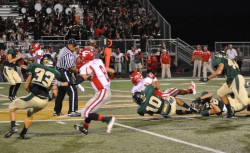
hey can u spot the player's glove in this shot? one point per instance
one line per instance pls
(204, 79)
(151, 75)
(247, 84)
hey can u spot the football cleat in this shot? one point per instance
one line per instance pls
(11, 131)
(23, 136)
(74, 114)
(193, 87)
(82, 129)
(110, 124)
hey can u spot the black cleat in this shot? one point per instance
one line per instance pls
(82, 129)
(23, 136)
(229, 115)
(11, 131)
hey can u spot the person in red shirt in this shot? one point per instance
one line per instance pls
(165, 60)
(149, 64)
(197, 59)
(206, 56)
(154, 61)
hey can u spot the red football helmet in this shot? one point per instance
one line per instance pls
(36, 46)
(86, 55)
(136, 77)
(79, 62)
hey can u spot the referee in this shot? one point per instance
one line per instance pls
(67, 67)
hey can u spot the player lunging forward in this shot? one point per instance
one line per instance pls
(38, 84)
(95, 71)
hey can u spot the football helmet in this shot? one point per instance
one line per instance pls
(138, 97)
(220, 54)
(47, 60)
(136, 77)
(34, 47)
(86, 55)
(79, 62)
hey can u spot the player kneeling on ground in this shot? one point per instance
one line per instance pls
(39, 82)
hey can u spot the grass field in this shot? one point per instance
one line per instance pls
(131, 133)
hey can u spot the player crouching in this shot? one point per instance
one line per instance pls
(39, 82)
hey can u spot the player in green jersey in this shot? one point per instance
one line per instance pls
(39, 82)
(235, 82)
(10, 72)
(207, 104)
(150, 103)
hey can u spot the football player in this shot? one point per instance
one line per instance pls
(95, 71)
(36, 52)
(39, 82)
(235, 81)
(207, 105)
(150, 103)
(140, 85)
(10, 72)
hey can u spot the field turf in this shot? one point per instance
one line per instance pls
(131, 133)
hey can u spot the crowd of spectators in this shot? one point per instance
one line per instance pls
(108, 18)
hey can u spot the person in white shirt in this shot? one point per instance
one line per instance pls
(118, 60)
(130, 56)
(231, 53)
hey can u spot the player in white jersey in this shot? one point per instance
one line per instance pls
(95, 71)
(36, 52)
(130, 56)
(118, 59)
(140, 85)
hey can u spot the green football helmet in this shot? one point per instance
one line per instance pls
(47, 60)
(138, 97)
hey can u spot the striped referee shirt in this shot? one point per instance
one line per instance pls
(66, 59)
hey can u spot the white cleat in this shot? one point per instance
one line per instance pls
(193, 87)
(110, 124)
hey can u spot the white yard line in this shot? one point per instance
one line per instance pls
(59, 122)
(169, 138)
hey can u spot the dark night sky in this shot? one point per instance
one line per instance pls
(207, 21)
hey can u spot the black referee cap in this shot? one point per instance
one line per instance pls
(73, 42)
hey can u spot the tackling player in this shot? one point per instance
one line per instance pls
(10, 73)
(95, 71)
(235, 81)
(38, 84)
(141, 84)
(207, 105)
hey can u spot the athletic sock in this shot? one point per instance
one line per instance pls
(186, 106)
(13, 124)
(16, 88)
(228, 106)
(11, 90)
(24, 131)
